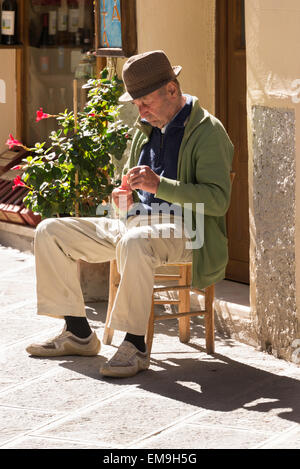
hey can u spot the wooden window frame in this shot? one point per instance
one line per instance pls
(128, 25)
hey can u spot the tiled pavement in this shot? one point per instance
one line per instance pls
(238, 398)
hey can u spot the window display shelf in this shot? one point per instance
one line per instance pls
(15, 46)
(51, 55)
(47, 60)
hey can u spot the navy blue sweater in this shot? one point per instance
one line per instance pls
(161, 152)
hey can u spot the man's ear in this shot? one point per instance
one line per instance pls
(172, 89)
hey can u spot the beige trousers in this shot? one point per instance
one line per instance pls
(138, 247)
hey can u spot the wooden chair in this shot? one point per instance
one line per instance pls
(183, 287)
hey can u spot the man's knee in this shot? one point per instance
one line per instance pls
(45, 225)
(46, 228)
(133, 244)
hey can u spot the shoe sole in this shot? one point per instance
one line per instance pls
(120, 372)
(68, 350)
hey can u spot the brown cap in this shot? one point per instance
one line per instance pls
(145, 73)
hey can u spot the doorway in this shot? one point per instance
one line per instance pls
(231, 109)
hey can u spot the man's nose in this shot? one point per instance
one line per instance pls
(141, 109)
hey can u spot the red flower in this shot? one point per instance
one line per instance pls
(92, 114)
(18, 182)
(17, 167)
(12, 142)
(41, 115)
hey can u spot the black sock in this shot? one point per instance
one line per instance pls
(137, 340)
(79, 326)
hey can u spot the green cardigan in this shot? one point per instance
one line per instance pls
(203, 175)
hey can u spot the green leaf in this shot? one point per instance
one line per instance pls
(50, 170)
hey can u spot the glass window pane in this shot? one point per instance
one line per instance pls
(60, 34)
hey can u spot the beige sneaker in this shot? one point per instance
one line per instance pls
(126, 362)
(66, 343)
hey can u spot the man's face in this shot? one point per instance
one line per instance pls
(157, 108)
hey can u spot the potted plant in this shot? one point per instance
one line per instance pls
(75, 173)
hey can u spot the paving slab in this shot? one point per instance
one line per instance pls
(287, 440)
(16, 421)
(238, 398)
(123, 419)
(205, 437)
(48, 443)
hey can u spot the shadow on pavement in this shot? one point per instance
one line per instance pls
(215, 383)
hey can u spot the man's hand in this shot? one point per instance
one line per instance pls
(142, 177)
(122, 196)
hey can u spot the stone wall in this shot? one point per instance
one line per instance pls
(274, 178)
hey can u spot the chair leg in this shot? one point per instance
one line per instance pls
(209, 319)
(184, 305)
(150, 330)
(108, 331)
(113, 282)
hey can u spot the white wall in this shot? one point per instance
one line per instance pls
(186, 32)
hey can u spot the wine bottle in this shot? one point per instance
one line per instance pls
(61, 59)
(73, 20)
(52, 28)
(63, 99)
(8, 22)
(43, 43)
(81, 9)
(62, 23)
(44, 37)
(87, 44)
